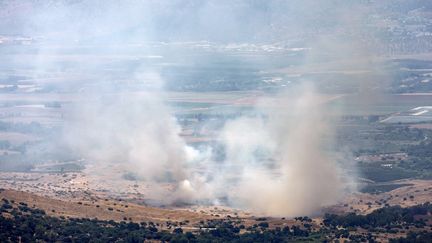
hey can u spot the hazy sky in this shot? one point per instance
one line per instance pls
(223, 20)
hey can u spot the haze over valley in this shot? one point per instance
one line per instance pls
(221, 121)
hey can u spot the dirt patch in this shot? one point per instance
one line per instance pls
(412, 193)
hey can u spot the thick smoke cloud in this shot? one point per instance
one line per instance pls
(132, 134)
(137, 132)
(276, 164)
(300, 175)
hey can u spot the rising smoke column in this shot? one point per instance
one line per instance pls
(132, 133)
(278, 164)
(301, 177)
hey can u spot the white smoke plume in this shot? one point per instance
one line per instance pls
(129, 133)
(301, 175)
(277, 164)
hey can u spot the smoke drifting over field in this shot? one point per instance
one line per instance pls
(137, 132)
(279, 165)
(277, 161)
(302, 176)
